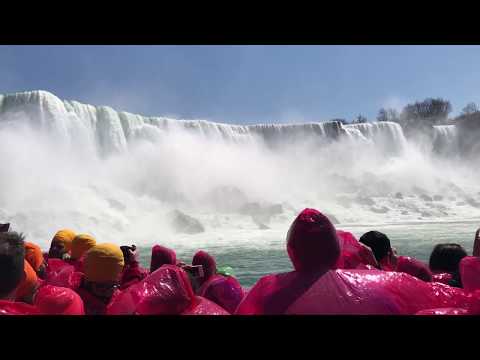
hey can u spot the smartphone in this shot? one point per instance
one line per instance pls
(4, 227)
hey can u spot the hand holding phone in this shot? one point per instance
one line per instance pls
(129, 252)
(195, 271)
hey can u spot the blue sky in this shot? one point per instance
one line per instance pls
(246, 84)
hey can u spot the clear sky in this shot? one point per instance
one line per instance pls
(246, 84)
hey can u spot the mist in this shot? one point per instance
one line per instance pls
(118, 176)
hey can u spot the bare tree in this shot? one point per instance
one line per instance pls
(382, 115)
(471, 108)
(430, 110)
(387, 115)
(360, 120)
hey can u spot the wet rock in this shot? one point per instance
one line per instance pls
(425, 197)
(226, 198)
(472, 202)
(418, 190)
(116, 204)
(261, 214)
(381, 210)
(250, 208)
(185, 224)
(458, 190)
(262, 226)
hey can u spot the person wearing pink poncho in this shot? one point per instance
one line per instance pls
(225, 291)
(354, 254)
(470, 273)
(445, 259)
(166, 291)
(390, 261)
(132, 272)
(315, 288)
(54, 300)
(162, 255)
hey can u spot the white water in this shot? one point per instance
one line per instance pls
(117, 175)
(446, 139)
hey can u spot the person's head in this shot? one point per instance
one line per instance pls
(379, 243)
(61, 244)
(55, 300)
(446, 258)
(103, 267)
(162, 255)
(81, 244)
(34, 256)
(12, 257)
(312, 242)
(207, 262)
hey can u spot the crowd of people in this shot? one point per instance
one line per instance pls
(334, 273)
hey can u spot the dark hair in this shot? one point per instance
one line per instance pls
(446, 257)
(378, 242)
(12, 254)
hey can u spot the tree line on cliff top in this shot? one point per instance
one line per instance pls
(431, 111)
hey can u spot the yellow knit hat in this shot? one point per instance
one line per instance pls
(103, 263)
(65, 237)
(81, 244)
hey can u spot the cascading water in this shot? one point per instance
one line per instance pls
(119, 175)
(445, 139)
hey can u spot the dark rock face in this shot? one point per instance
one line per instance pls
(472, 202)
(227, 198)
(398, 195)
(262, 226)
(261, 213)
(185, 224)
